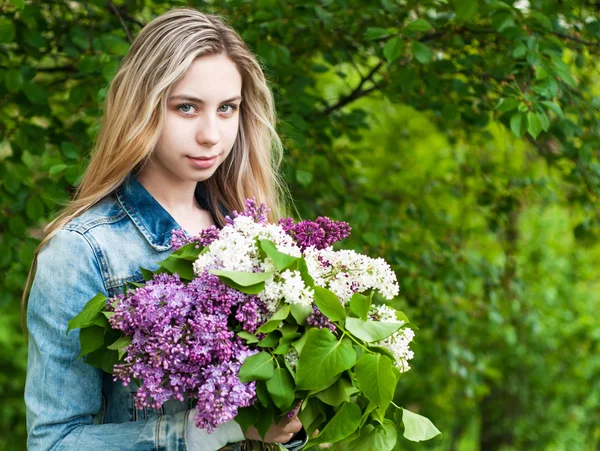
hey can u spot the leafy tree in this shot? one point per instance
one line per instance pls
(458, 138)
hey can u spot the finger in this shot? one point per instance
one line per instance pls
(284, 438)
(293, 426)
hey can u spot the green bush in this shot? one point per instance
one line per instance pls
(459, 139)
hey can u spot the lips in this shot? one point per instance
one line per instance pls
(203, 162)
(203, 158)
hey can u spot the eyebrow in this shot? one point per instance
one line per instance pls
(189, 98)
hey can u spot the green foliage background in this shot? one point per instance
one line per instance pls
(460, 139)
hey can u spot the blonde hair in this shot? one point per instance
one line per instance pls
(135, 107)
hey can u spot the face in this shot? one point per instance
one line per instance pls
(202, 120)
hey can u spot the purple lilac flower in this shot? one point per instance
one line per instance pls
(212, 295)
(221, 394)
(320, 233)
(180, 237)
(250, 313)
(181, 344)
(254, 211)
(317, 319)
(292, 413)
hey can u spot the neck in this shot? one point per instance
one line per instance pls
(173, 193)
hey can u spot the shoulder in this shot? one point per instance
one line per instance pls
(82, 243)
(106, 211)
(85, 236)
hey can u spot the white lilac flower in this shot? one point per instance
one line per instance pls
(236, 250)
(291, 357)
(398, 345)
(287, 286)
(384, 313)
(346, 272)
(398, 342)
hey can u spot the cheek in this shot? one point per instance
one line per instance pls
(232, 131)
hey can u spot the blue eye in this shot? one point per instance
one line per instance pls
(184, 105)
(233, 107)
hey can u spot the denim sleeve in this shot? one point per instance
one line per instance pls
(62, 393)
(297, 442)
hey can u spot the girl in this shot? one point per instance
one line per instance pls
(188, 134)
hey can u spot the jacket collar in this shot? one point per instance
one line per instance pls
(152, 220)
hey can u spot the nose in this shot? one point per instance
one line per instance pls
(208, 131)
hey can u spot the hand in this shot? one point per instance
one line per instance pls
(278, 433)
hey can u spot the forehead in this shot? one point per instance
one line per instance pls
(211, 78)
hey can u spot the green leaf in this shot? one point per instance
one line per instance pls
(104, 359)
(262, 394)
(421, 52)
(189, 252)
(465, 10)
(322, 357)
(247, 337)
(18, 4)
(280, 260)
(382, 437)
(301, 312)
(34, 208)
(270, 340)
(86, 317)
(544, 121)
(329, 304)
(306, 277)
(343, 423)
(376, 33)
(516, 124)
(57, 168)
(7, 30)
(507, 104)
(419, 25)
(244, 279)
(337, 393)
(300, 342)
(69, 150)
(147, 274)
(365, 416)
(371, 331)
(554, 107)
(275, 320)
(257, 367)
(13, 79)
(309, 412)
(534, 125)
(177, 265)
(281, 388)
(265, 420)
(115, 44)
(78, 94)
(120, 345)
(246, 417)
(376, 378)
(562, 69)
(305, 178)
(418, 428)
(393, 49)
(35, 93)
(249, 283)
(360, 304)
(90, 339)
(542, 19)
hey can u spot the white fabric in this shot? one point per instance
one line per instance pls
(199, 440)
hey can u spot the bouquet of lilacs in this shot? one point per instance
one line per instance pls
(258, 321)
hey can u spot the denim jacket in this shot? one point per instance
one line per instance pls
(70, 404)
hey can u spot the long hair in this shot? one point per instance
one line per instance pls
(134, 111)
